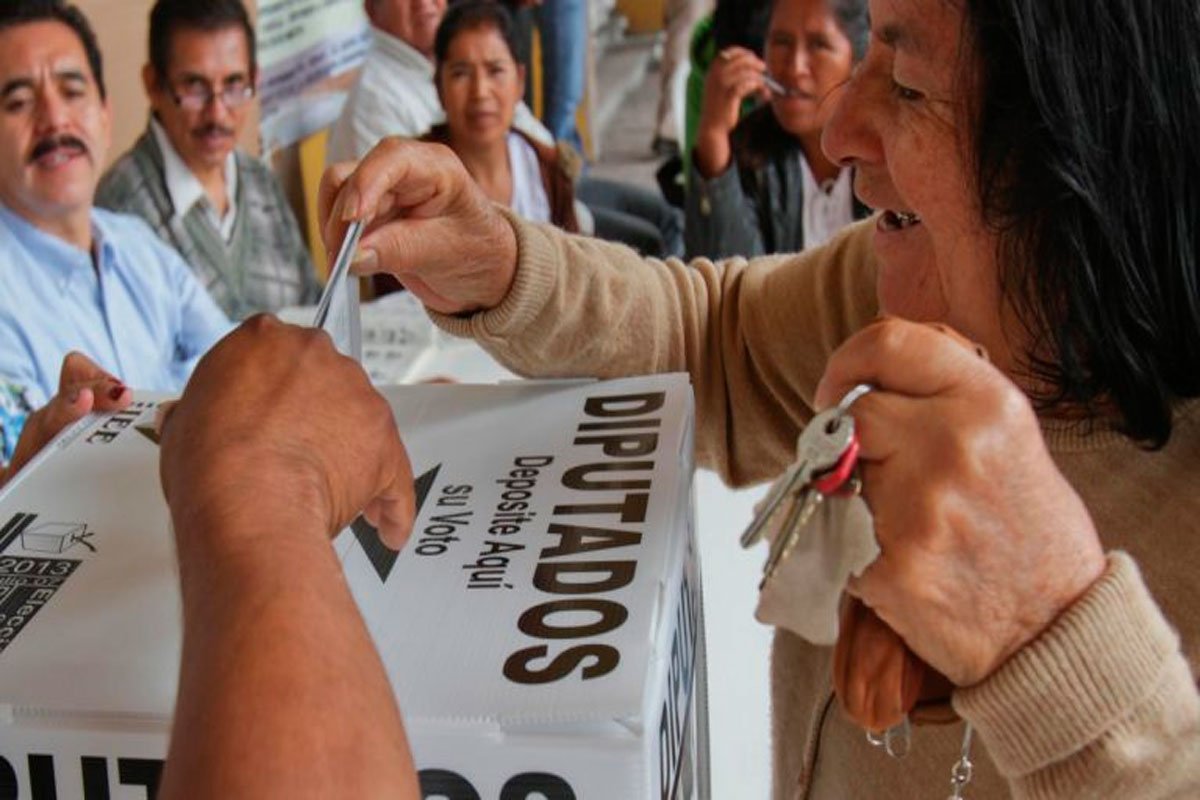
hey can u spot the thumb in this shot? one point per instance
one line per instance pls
(392, 517)
(64, 410)
(45, 423)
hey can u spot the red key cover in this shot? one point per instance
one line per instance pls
(832, 479)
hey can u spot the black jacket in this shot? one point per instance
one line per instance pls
(756, 206)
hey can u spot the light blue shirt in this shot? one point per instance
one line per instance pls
(138, 311)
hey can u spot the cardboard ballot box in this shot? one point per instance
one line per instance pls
(543, 627)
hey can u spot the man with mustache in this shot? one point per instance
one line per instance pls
(223, 210)
(75, 278)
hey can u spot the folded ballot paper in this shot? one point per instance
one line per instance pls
(542, 628)
(396, 340)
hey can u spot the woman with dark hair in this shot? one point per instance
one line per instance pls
(480, 82)
(760, 183)
(1038, 187)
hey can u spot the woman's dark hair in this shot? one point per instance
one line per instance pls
(24, 12)
(854, 22)
(1087, 151)
(471, 14)
(742, 23)
(169, 16)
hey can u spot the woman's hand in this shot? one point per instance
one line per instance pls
(430, 225)
(277, 431)
(83, 388)
(984, 542)
(735, 74)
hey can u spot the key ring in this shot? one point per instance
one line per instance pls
(896, 741)
(851, 397)
(964, 769)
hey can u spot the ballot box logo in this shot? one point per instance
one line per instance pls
(56, 538)
(382, 557)
(28, 582)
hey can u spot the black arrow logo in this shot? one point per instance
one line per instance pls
(382, 557)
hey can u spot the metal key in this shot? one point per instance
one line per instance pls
(823, 484)
(821, 444)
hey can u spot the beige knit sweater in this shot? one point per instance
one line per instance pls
(1102, 705)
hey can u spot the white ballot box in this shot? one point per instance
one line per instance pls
(543, 627)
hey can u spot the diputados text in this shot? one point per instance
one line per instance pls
(606, 525)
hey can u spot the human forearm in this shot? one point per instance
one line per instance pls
(754, 336)
(579, 307)
(281, 692)
(278, 671)
(712, 153)
(1103, 704)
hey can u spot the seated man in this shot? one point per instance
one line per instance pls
(73, 277)
(222, 210)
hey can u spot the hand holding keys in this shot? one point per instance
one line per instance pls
(827, 453)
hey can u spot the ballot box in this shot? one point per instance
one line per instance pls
(543, 627)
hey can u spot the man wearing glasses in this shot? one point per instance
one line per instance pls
(222, 210)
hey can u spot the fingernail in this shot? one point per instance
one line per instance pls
(365, 260)
(350, 204)
(116, 392)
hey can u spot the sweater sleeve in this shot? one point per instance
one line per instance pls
(753, 335)
(721, 220)
(1103, 704)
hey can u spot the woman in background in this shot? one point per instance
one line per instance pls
(480, 82)
(760, 183)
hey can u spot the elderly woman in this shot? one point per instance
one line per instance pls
(763, 184)
(1039, 190)
(1037, 511)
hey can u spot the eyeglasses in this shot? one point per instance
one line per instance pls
(198, 95)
